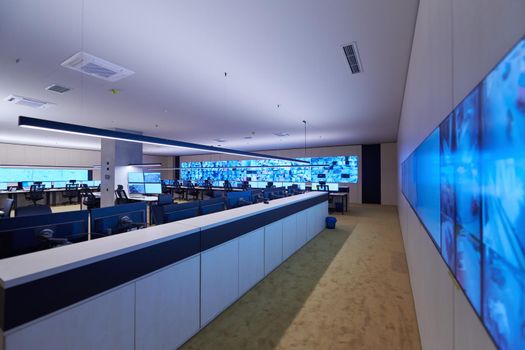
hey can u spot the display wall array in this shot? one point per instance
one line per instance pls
(329, 169)
(466, 182)
(40, 174)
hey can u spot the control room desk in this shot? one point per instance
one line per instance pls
(151, 288)
(343, 197)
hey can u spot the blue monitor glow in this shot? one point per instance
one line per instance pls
(153, 188)
(135, 177)
(136, 188)
(3, 186)
(152, 177)
(466, 183)
(59, 184)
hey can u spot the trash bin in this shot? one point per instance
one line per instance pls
(330, 222)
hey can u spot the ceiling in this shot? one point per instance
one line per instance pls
(284, 63)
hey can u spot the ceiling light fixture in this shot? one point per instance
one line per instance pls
(282, 134)
(41, 124)
(146, 164)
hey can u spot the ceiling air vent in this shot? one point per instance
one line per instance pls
(96, 67)
(27, 102)
(58, 88)
(352, 56)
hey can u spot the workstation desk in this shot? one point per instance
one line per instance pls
(50, 196)
(151, 288)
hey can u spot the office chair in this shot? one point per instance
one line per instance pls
(227, 186)
(71, 192)
(165, 189)
(192, 191)
(246, 185)
(178, 190)
(36, 193)
(89, 199)
(208, 188)
(270, 185)
(120, 196)
(8, 206)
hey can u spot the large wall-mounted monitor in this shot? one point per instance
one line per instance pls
(152, 177)
(343, 169)
(466, 183)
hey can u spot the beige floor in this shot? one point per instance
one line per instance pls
(346, 289)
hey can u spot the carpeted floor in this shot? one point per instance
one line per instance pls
(346, 289)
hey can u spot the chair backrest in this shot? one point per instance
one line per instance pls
(120, 193)
(228, 186)
(71, 190)
(8, 205)
(36, 192)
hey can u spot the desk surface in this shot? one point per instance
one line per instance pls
(25, 268)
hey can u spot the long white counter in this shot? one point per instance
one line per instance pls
(152, 288)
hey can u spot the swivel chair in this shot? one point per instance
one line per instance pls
(192, 191)
(36, 193)
(208, 188)
(89, 199)
(227, 186)
(178, 190)
(246, 185)
(120, 196)
(71, 192)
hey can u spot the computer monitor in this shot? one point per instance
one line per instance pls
(136, 188)
(59, 184)
(153, 188)
(152, 177)
(3, 186)
(135, 177)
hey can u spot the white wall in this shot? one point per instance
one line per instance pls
(456, 43)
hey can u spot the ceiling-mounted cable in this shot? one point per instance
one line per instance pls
(304, 122)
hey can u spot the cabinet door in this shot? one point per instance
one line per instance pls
(167, 305)
(219, 279)
(251, 259)
(290, 237)
(273, 246)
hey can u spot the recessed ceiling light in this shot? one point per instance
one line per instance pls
(282, 134)
(220, 140)
(248, 137)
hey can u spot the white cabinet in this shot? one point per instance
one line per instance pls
(273, 246)
(104, 322)
(167, 306)
(219, 279)
(290, 237)
(251, 259)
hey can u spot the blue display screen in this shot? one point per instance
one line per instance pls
(330, 169)
(466, 182)
(135, 188)
(152, 177)
(135, 177)
(40, 174)
(151, 188)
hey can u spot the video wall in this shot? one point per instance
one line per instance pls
(328, 169)
(466, 182)
(49, 177)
